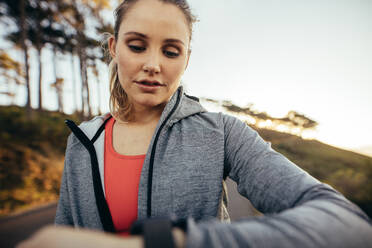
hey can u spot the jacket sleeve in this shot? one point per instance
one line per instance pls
(299, 210)
(63, 214)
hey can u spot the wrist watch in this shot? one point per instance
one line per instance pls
(157, 232)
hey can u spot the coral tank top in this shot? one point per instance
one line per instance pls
(122, 174)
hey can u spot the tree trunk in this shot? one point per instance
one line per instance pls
(87, 90)
(25, 51)
(80, 27)
(56, 78)
(99, 97)
(84, 79)
(60, 98)
(96, 77)
(40, 90)
(58, 83)
(74, 82)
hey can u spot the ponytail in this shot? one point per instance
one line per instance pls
(120, 107)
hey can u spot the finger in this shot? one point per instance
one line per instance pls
(28, 243)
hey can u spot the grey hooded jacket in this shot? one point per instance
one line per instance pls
(189, 155)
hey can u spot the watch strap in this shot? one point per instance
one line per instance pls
(158, 233)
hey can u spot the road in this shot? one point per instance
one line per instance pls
(19, 227)
(16, 228)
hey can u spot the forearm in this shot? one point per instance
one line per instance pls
(275, 232)
(322, 222)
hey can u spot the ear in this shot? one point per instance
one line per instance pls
(112, 46)
(188, 58)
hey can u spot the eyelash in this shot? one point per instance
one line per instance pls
(170, 54)
(136, 49)
(139, 49)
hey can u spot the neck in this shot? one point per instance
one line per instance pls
(146, 115)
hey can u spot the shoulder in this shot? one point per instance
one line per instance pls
(232, 127)
(89, 128)
(223, 119)
(220, 122)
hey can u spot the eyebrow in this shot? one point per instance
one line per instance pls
(136, 33)
(146, 37)
(174, 41)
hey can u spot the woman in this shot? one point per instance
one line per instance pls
(162, 159)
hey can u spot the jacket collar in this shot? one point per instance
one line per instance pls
(187, 106)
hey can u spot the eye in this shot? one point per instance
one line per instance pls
(136, 45)
(137, 49)
(171, 52)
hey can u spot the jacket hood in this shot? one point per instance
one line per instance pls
(188, 105)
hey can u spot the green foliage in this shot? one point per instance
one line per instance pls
(45, 128)
(293, 118)
(68, 26)
(31, 157)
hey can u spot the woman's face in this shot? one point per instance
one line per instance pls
(151, 52)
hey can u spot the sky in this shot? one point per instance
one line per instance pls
(311, 56)
(314, 57)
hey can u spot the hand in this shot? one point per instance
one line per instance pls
(179, 237)
(55, 237)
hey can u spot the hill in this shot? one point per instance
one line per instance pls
(32, 152)
(347, 171)
(31, 157)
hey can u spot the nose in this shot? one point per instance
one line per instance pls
(152, 64)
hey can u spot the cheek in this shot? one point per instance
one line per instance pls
(176, 71)
(127, 68)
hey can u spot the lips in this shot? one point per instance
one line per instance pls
(149, 83)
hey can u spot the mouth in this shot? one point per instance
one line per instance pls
(149, 83)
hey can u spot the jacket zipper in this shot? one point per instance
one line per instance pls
(152, 157)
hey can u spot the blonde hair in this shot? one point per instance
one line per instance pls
(120, 106)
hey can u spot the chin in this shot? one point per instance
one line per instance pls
(150, 102)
